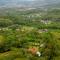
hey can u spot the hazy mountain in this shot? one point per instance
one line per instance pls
(28, 3)
(45, 3)
(14, 3)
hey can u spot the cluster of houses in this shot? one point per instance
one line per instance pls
(24, 28)
(46, 22)
(4, 29)
(42, 30)
(32, 15)
(35, 50)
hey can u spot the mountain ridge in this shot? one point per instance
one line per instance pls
(28, 3)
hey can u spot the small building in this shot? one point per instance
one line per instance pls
(45, 21)
(34, 51)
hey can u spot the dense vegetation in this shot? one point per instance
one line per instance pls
(20, 30)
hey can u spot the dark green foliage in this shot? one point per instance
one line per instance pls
(20, 30)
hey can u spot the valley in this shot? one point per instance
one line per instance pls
(25, 31)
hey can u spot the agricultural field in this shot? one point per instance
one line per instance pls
(30, 35)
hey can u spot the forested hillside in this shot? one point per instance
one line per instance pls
(29, 34)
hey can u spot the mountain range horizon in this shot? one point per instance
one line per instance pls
(28, 3)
